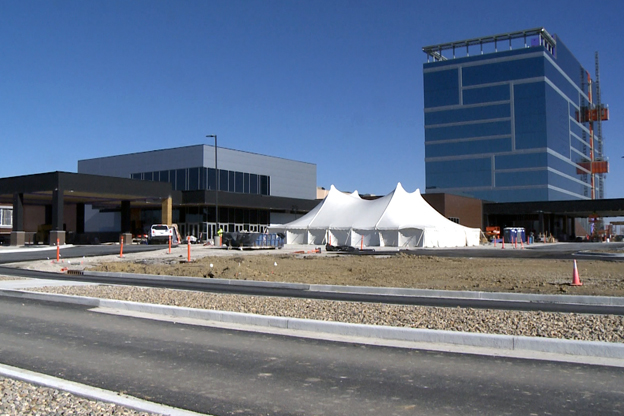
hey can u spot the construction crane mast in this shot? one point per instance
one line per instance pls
(594, 113)
(598, 133)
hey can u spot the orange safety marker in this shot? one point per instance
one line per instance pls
(362, 243)
(576, 281)
(521, 243)
(121, 247)
(188, 245)
(503, 243)
(58, 250)
(169, 244)
(516, 242)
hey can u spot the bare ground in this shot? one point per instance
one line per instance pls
(604, 278)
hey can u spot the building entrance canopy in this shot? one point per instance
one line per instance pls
(58, 189)
(602, 208)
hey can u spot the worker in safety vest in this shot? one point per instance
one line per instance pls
(220, 234)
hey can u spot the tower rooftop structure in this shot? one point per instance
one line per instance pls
(437, 51)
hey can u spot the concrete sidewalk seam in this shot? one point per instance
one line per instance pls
(494, 341)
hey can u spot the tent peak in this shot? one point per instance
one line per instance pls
(400, 188)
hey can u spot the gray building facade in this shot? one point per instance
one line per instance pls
(192, 168)
(252, 190)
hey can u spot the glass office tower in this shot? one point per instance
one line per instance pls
(512, 117)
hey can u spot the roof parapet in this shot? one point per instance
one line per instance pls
(545, 39)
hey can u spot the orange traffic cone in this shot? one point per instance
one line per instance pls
(576, 281)
(503, 243)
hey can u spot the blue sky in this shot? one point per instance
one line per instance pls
(336, 83)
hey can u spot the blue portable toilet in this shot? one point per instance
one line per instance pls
(514, 234)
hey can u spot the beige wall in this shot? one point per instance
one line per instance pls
(321, 193)
(468, 210)
(34, 216)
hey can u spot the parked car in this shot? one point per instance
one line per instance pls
(159, 234)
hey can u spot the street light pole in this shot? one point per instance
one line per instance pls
(217, 183)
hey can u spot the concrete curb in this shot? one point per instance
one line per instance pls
(498, 342)
(233, 282)
(599, 254)
(94, 393)
(23, 249)
(368, 290)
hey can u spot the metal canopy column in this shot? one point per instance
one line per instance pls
(126, 217)
(18, 236)
(57, 232)
(126, 222)
(167, 211)
(80, 218)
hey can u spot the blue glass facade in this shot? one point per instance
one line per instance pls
(502, 126)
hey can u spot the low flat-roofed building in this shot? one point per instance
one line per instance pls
(253, 190)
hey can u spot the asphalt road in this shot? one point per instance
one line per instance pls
(565, 251)
(225, 372)
(32, 253)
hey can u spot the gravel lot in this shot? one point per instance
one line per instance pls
(19, 398)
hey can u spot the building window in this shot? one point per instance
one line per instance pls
(231, 183)
(264, 185)
(238, 183)
(253, 183)
(223, 180)
(181, 184)
(192, 179)
(6, 217)
(212, 179)
(246, 183)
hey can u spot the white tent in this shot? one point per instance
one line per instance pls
(399, 219)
